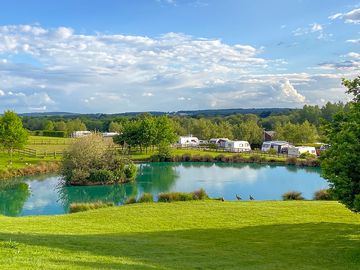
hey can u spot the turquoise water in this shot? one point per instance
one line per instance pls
(45, 195)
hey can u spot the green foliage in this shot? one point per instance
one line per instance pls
(296, 133)
(131, 200)
(182, 196)
(94, 159)
(81, 207)
(12, 133)
(323, 194)
(47, 133)
(292, 195)
(164, 153)
(272, 151)
(130, 171)
(307, 155)
(146, 198)
(249, 131)
(341, 163)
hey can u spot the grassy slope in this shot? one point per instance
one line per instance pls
(187, 235)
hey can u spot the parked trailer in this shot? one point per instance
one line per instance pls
(237, 146)
(277, 145)
(297, 151)
(186, 141)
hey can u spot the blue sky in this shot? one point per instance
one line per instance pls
(115, 56)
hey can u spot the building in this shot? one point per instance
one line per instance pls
(269, 135)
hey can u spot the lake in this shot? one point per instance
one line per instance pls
(45, 195)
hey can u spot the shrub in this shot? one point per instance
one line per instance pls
(256, 158)
(292, 195)
(291, 161)
(357, 203)
(130, 171)
(186, 157)
(207, 158)
(182, 196)
(131, 200)
(306, 155)
(272, 151)
(200, 194)
(323, 194)
(80, 207)
(220, 158)
(102, 176)
(146, 197)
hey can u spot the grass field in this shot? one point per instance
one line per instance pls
(187, 235)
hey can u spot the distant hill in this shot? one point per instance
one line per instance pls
(262, 112)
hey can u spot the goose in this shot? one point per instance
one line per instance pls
(238, 197)
(251, 198)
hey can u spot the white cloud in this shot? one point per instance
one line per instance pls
(352, 16)
(2, 93)
(355, 41)
(314, 28)
(290, 93)
(112, 72)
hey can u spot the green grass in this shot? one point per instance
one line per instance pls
(19, 162)
(187, 235)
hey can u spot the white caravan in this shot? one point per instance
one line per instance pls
(297, 151)
(237, 146)
(188, 141)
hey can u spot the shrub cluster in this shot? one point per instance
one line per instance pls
(182, 196)
(31, 169)
(292, 195)
(146, 197)
(323, 194)
(80, 207)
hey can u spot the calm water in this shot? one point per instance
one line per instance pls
(44, 195)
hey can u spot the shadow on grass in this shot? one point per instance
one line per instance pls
(295, 246)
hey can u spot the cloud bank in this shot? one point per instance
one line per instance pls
(58, 69)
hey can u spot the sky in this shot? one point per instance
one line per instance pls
(109, 56)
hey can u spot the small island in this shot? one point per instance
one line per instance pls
(94, 160)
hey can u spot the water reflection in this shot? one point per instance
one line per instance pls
(43, 195)
(13, 196)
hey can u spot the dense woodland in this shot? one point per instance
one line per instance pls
(297, 125)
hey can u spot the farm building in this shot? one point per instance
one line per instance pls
(188, 141)
(269, 135)
(237, 146)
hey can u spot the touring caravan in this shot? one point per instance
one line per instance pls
(237, 146)
(297, 151)
(277, 145)
(186, 141)
(220, 142)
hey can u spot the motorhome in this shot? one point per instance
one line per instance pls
(297, 151)
(237, 146)
(277, 145)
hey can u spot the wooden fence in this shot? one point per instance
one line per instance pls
(28, 152)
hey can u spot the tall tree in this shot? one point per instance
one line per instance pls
(341, 162)
(12, 133)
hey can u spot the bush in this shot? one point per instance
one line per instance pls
(182, 196)
(146, 197)
(323, 194)
(220, 158)
(307, 155)
(292, 195)
(357, 203)
(102, 176)
(131, 200)
(291, 161)
(80, 207)
(272, 151)
(130, 171)
(186, 157)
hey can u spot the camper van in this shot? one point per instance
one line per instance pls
(237, 146)
(220, 142)
(277, 145)
(297, 151)
(186, 141)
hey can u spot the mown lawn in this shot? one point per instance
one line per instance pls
(187, 235)
(19, 161)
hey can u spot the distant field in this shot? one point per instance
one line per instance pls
(187, 235)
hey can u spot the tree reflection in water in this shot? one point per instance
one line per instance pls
(13, 196)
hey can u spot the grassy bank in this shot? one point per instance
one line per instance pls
(187, 235)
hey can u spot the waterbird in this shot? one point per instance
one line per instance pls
(238, 197)
(251, 198)
(222, 199)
